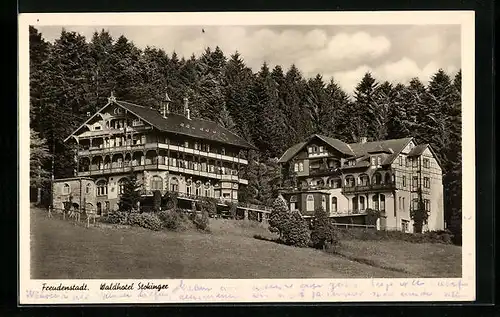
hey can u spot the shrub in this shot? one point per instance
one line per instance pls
(146, 220)
(118, 217)
(173, 220)
(320, 229)
(297, 233)
(279, 219)
(202, 221)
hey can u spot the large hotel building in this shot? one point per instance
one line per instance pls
(167, 151)
(390, 176)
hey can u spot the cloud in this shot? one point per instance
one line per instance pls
(401, 71)
(393, 53)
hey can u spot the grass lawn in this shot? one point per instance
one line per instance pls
(61, 250)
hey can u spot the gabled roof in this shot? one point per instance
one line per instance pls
(193, 127)
(335, 143)
(394, 146)
(418, 150)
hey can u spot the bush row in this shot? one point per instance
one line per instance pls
(173, 219)
(442, 236)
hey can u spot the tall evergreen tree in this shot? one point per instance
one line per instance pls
(365, 112)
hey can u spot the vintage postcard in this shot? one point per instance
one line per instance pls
(246, 157)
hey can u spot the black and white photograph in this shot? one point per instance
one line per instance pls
(247, 148)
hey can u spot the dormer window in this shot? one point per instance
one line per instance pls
(310, 149)
(137, 122)
(373, 160)
(379, 160)
(321, 149)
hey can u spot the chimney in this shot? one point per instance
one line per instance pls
(187, 114)
(186, 107)
(363, 140)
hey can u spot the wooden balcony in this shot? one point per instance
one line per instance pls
(368, 188)
(154, 145)
(123, 168)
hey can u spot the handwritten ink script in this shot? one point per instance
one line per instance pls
(252, 291)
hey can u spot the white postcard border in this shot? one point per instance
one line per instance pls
(258, 290)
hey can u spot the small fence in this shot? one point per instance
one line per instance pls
(78, 217)
(353, 225)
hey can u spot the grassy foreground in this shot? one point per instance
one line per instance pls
(61, 250)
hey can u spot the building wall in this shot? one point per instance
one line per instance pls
(436, 215)
(83, 196)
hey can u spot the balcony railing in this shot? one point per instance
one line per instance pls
(154, 145)
(126, 168)
(368, 188)
(349, 212)
(323, 171)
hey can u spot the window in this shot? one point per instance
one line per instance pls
(88, 189)
(377, 179)
(404, 225)
(198, 188)
(174, 184)
(382, 202)
(321, 149)
(403, 203)
(66, 189)
(334, 182)
(186, 143)
(223, 151)
(414, 181)
(375, 202)
(379, 160)
(400, 206)
(334, 204)
(404, 181)
(364, 180)
(362, 203)
(296, 167)
(310, 203)
(373, 160)
(415, 162)
(323, 202)
(310, 149)
(400, 158)
(349, 181)
(407, 163)
(427, 182)
(426, 162)
(301, 167)
(102, 188)
(415, 204)
(136, 122)
(427, 204)
(156, 183)
(121, 186)
(293, 203)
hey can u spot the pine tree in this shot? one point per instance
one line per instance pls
(39, 155)
(269, 132)
(238, 78)
(322, 231)
(280, 219)
(334, 119)
(131, 194)
(398, 124)
(365, 115)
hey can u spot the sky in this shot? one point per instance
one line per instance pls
(395, 53)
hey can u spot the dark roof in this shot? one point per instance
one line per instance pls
(418, 150)
(335, 143)
(179, 124)
(294, 149)
(392, 147)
